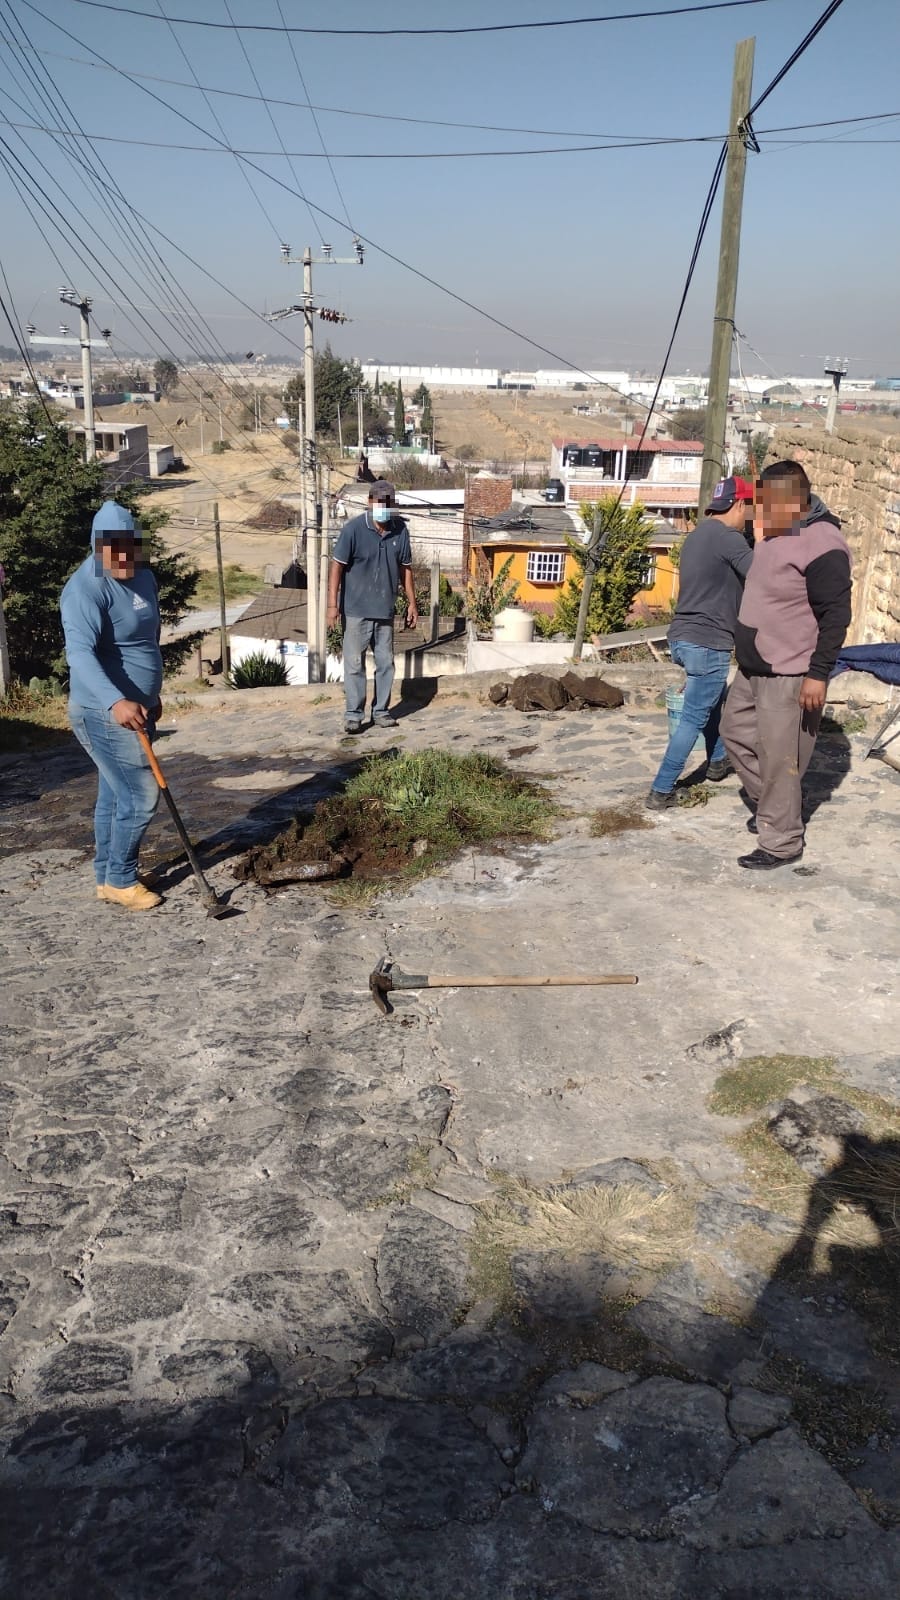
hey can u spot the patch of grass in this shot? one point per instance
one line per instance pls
(32, 721)
(238, 582)
(837, 1419)
(696, 795)
(610, 820)
(761, 1079)
(835, 722)
(420, 1176)
(397, 800)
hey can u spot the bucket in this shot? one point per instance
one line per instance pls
(674, 708)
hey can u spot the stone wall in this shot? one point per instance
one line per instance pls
(858, 476)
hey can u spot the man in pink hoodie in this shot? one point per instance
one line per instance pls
(793, 619)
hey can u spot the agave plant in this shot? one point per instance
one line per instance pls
(259, 671)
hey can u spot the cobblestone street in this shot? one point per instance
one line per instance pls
(258, 1338)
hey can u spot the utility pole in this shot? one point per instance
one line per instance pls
(312, 506)
(359, 395)
(223, 625)
(596, 542)
(5, 675)
(726, 288)
(82, 305)
(835, 369)
(324, 557)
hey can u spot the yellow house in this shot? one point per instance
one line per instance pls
(660, 587)
(541, 564)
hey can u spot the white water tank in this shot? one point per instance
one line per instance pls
(514, 626)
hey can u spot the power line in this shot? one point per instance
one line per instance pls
(275, 128)
(372, 243)
(645, 143)
(374, 155)
(793, 58)
(20, 346)
(387, 33)
(334, 177)
(214, 114)
(424, 122)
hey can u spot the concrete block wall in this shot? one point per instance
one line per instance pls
(858, 476)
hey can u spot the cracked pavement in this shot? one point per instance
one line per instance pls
(244, 1348)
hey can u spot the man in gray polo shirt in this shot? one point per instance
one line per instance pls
(372, 559)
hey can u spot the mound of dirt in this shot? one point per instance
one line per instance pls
(537, 691)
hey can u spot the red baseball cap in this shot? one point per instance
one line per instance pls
(728, 490)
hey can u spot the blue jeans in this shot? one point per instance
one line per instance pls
(362, 634)
(126, 798)
(704, 696)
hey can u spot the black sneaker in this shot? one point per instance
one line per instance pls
(353, 727)
(763, 861)
(657, 801)
(717, 770)
(752, 825)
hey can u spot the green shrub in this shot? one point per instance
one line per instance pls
(219, 446)
(259, 671)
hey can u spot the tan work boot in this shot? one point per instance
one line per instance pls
(134, 898)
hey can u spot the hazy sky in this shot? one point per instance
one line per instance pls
(584, 252)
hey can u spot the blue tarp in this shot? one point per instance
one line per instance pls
(882, 660)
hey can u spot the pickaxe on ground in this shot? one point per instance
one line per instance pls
(387, 976)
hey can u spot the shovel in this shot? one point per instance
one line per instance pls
(387, 976)
(214, 906)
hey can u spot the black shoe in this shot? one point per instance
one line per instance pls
(763, 861)
(353, 727)
(657, 801)
(717, 770)
(752, 825)
(385, 720)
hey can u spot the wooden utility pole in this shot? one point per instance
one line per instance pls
(4, 648)
(726, 289)
(435, 599)
(595, 545)
(223, 624)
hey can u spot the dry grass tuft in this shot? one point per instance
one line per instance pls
(623, 1223)
(610, 820)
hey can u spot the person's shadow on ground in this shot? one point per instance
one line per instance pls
(828, 768)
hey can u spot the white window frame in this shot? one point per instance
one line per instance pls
(649, 573)
(545, 566)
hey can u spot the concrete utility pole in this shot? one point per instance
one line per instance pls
(83, 306)
(359, 396)
(223, 622)
(312, 506)
(726, 289)
(835, 369)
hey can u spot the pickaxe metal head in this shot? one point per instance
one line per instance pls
(381, 983)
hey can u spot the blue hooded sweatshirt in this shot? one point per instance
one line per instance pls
(111, 625)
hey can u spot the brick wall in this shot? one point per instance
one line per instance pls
(858, 477)
(488, 497)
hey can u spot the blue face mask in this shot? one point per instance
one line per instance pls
(381, 515)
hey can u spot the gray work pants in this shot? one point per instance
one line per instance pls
(770, 742)
(362, 634)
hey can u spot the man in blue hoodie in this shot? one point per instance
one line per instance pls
(110, 615)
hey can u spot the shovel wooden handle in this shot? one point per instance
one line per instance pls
(448, 981)
(155, 767)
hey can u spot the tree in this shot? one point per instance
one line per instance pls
(335, 382)
(688, 423)
(165, 375)
(427, 418)
(399, 417)
(620, 570)
(421, 396)
(48, 498)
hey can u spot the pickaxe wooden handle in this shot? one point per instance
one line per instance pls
(387, 977)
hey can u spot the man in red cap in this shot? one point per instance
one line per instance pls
(715, 559)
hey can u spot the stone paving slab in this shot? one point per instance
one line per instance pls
(241, 1341)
